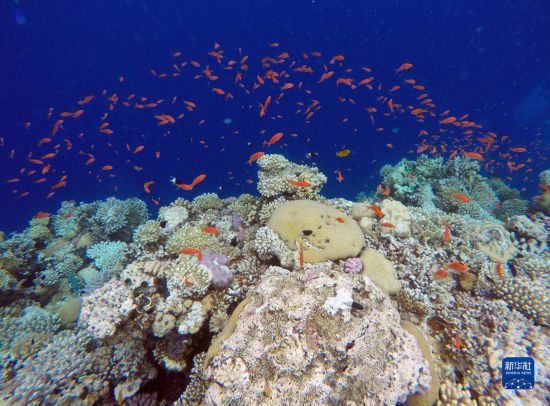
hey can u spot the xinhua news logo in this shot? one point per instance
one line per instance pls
(518, 373)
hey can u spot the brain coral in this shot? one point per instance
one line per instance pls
(327, 233)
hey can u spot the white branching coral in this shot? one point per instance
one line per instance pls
(275, 173)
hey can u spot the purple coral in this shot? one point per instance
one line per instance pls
(216, 263)
(353, 265)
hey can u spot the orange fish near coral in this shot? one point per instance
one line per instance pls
(42, 215)
(441, 273)
(499, 270)
(191, 251)
(301, 253)
(255, 156)
(457, 266)
(211, 230)
(376, 210)
(461, 197)
(299, 183)
(457, 341)
(446, 233)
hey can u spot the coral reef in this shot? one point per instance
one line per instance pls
(412, 297)
(432, 183)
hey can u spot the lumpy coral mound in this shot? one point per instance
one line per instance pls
(327, 233)
(332, 339)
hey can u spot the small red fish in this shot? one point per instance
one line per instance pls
(376, 210)
(457, 266)
(499, 270)
(146, 186)
(273, 140)
(301, 253)
(441, 273)
(254, 157)
(42, 215)
(461, 197)
(191, 251)
(340, 220)
(198, 179)
(457, 341)
(339, 177)
(299, 183)
(68, 215)
(446, 233)
(211, 230)
(388, 225)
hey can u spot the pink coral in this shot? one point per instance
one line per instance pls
(353, 265)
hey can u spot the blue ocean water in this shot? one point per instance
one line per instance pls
(489, 59)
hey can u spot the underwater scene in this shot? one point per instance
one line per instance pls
(275, 203)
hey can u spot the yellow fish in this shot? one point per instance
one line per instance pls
(344, 153)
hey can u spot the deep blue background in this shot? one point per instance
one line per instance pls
(487, 58)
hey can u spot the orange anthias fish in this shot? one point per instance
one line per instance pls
(404, 67)
(461, 197)
(198, 179)
(42, 215)
(211, 230)
(146, 186)
(376, 210)
(473, 155)
(191, 251)
(340, 220)
(457, 341)
(446, 233)
(387, 225)
(299, 183)
(441, 273)
(339, 178)
(254, 157)
(301, 253)
(178, 183)
(273, 140)
(499, 270)
(457, 266)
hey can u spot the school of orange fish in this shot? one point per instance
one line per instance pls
(440, 131)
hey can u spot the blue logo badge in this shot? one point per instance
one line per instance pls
(518, 373)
